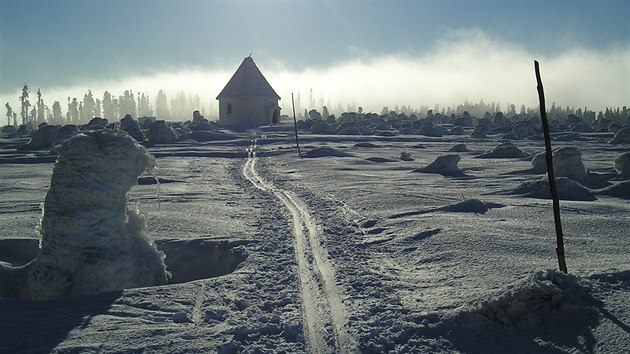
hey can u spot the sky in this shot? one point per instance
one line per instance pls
(349, 53)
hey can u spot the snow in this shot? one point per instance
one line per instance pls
(416, 262)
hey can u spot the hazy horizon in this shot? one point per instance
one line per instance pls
(371, 55)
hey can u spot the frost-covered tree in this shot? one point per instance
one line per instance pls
(73, 111)
(32, 116)
(41, 108)
(109, 111)
(89, 105)
(161, 106)
(97, 108)
(9, 113)
(24, 104)
(144, 108)
(127, 104)
(57, 116)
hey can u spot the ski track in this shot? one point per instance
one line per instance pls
(321, 303)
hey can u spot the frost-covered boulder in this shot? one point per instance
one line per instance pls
(459, 148)
(621, 137)
(622, 164)
(9, 131)
(90, 241)
(567, 162)
(42, 138)
(457, 130)
(481, 131)
(96, 123)
(132, 128)
(160, 133)
(445, 165)
(522, 130)
(66, 132)
(321, 127)
(539, 163)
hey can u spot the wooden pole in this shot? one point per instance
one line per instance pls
(552, 180)
(297, 141)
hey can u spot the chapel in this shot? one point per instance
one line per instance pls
(248, 100)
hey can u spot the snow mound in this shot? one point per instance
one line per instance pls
(324, 152)
(619, 190)
(622, 164)
(380, 159)
(504, 150)
(445, 165)
(459, 148)
(367, 145)
(90, 241)
(567, 190)
(472, 206)
(621, 137)
(532, 296)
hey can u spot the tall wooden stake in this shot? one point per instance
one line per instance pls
(297, 142)
(552, 180)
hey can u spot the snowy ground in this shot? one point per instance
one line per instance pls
(273, 253)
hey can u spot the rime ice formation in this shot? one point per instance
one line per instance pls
(621, 137)
(90, 241)
(622, 164)
(445, 165)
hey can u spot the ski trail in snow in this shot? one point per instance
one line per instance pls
(323, 309)
(198, 307)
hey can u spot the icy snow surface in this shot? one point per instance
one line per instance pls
(389, 260)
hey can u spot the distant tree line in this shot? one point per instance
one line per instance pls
(182, 105)
(109, 107)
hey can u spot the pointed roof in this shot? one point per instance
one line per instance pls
(248, 81)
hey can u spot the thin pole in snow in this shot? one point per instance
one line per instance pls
(552, 180)
(297, 141)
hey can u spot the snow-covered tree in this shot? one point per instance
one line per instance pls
(41, 108)
(57, 116)
(24, 104)
(9, 114)
(109, 111)
(89, 105)
(161, 106)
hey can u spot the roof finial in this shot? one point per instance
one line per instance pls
(250, 55)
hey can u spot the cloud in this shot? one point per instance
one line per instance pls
(463, 65)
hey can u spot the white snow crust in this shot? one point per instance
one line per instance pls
(417, 262)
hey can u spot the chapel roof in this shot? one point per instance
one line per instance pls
(248, 81)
